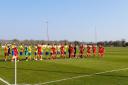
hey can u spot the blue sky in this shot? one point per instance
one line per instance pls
(68, 19)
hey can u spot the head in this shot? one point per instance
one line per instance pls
(93, 45)
(81, 44)
(71, 45)
(53, 45)
(62, 44)
(88, 45)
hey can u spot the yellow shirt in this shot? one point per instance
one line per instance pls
(29, 49)
(35, 49)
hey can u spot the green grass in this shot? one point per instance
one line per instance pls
(35, 72)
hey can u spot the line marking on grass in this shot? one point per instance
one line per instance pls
(4, 81)
(76, 77)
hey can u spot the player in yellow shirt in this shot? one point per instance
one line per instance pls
(29, 53)
(47, 51)
(21, 50)
(35, 52)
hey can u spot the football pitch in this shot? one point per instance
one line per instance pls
(110, 70)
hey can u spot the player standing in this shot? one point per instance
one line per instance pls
(71, 51)
(39, 52)
(9, 50)
(88, 51)
(94, 50)
(81, 50)
(29, 53)
(35, 52)
(47, 51)
(5, 52)
(62, 50)
(75, 49)
(15, 54)
(21, 49)
(53, 52)
(101, 50)
(12, 47)
(42, 51)
(58, 48)
(26, 52)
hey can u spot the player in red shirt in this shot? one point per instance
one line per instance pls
(53, 52)
(62, 50)
(71, 51)
(15, 55)
(39, 52)
(81, 52)
(88, 51)
(94, 49)
(101, 50)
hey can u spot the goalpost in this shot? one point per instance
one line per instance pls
(15, 71)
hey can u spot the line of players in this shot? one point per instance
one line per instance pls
(53, 50)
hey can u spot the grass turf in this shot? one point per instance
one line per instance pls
(37, 72)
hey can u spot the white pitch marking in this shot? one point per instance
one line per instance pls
(4, 81)
(76, 77)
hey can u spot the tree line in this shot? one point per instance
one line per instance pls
(117, 43)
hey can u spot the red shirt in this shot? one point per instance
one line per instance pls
(39, 49)
(94, 49)
(15, 51)
(53, 49)
(62, 49)
(88, 49)
(81, 49)
(71, 49)
(101, 49)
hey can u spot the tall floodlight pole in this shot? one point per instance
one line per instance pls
(47, 31)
